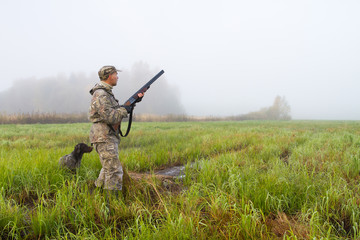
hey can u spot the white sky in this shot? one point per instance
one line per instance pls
(226, 57)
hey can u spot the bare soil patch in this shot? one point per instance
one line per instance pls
(281, 225)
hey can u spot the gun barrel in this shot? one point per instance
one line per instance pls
(143, 89)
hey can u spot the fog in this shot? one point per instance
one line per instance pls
(70, 94)
(220, 58)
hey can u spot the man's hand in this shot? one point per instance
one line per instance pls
(140, 95)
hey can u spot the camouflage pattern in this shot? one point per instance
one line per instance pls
(104, 110)
(111, 173)
(105, 71)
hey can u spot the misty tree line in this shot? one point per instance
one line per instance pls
(65, 99)
(70, 94)
(280, 110)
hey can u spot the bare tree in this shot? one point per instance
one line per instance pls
(280, 110)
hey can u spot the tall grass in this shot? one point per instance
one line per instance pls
(244, 180)
(51, 118)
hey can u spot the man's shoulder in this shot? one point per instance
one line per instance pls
(101, 93)
(101, 89)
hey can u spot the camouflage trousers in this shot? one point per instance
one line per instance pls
(111, 174)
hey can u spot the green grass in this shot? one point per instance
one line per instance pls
(244, 180)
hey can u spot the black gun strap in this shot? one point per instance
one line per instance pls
(129, 124)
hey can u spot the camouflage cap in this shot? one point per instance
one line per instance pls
(105, 71)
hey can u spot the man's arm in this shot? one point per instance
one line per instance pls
(104, 108)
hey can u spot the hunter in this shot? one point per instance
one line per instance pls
(104, 113)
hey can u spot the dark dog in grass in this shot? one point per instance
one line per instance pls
(72, 161)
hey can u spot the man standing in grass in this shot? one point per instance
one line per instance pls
(104, 113)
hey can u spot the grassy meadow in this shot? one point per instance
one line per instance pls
(244, 180)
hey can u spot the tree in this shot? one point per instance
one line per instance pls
(280, 110)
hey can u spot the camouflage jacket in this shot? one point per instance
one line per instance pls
(104, 111)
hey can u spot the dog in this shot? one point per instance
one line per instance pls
(72, 161)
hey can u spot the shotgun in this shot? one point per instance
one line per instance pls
(133, 100)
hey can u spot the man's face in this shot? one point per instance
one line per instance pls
(113, 79)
